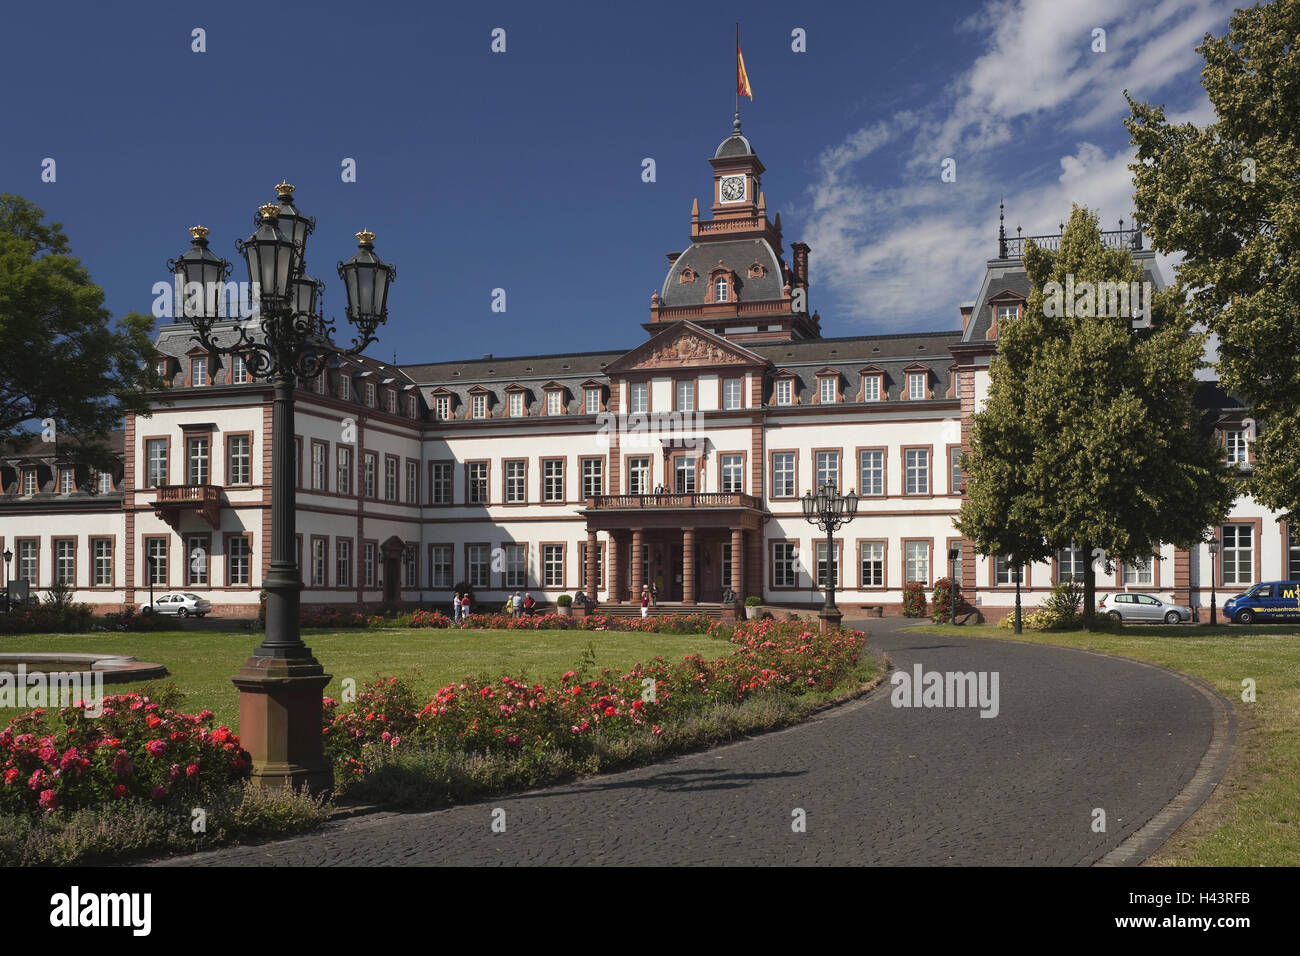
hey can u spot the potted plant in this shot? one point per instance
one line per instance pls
(564, 605)
(752, 607)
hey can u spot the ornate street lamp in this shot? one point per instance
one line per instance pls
(829, 511)
(1017, 574)
(9, 556)
(1214, 550)
(287, 342)
(953, 554)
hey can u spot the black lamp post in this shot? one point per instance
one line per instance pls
(9, 555)
(1016, 572)
(952, 585)
(829, 510)
(287, 342)
(152, 564)
(1214, 550)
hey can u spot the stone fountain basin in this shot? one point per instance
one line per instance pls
(113, 668)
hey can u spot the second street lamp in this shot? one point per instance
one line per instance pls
(1214, 550)
(287, 342)
(829, 511)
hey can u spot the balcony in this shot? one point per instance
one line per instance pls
(669, 502)
(172, 501)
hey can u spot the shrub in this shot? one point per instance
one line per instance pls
(128, 620)
(47, 618)
(1066, 599)
(945, 592)
(753, 601)
(564, 600)
(913, 599)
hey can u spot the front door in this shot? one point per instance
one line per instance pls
(392, 569)
(709, 573)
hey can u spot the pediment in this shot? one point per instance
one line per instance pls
(684, 345)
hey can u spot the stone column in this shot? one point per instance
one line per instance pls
(738, 563)
(615, 570)
(688, 566)
(637, 565)
(593, 578)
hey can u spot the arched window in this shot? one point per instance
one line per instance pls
(720, 289)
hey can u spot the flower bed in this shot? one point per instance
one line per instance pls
(513, 716)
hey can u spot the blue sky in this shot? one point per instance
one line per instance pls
(522, 170)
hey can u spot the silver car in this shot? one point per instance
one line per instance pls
(180, 603)
(1143, 607)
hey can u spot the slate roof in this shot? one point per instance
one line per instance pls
(737, 255)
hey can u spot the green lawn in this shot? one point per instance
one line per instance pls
(202, 662)
(1254, 817)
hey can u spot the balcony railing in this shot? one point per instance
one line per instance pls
(1120, 238)
(171, 500)
(666, 501)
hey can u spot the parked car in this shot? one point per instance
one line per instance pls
(1142, 607)
(180, 603)
(1270, 601)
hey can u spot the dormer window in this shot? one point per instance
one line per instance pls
(1007, 312)
(720, 289)
(688, 275)
(67, 481)
(199, 371)
(238, 370)
(370, 394)
(554, 402)
(784, 392)
(164, 368)
(104, 482)
(478, 406)
(871, 388)
(412, 407)
(322, 383)
(1234, 440)
(29, 481)
(916, 386)
(345, 387)
(591, 404)
(757, 270)
(390, 401)
(442, 407)
(516, 409)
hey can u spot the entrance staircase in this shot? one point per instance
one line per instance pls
(662, 609)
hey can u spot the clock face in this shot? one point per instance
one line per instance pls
(733, 188)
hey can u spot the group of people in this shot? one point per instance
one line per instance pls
(517, 605)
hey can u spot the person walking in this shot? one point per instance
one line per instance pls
(455, 609)
(464, 608)
(645, 600)
(529, 604)
(517, 605)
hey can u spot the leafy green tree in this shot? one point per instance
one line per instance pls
(1090, 435)
(62, 359)
(1228, 196)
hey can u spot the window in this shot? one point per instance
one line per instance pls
(412, 407)
(872, 555)
(515, 481)
(65, 561)
(196, 457)
(390, 479)
(238, 370)
(478, 405)
(318, 570)
(600, 565)
(155, 464)
(239, 557)
(1006, 313)
(164, 369)
(720, 289)
(516, 566)
(199, 371)
(684, 475)
(783, 484)
(319, 465)
(554, 401)
(916, 561)
(440, 483)
(238, 461)
(784, 574)
(411, 567)
(28, 561)
(828, 468)
(368, 563)
(412, 482)
(1003, 571)
(733, 477)
(871, 388)
(1069, 564)
(1235, 440)
(156, 563)
(343, 562)
(954, 470)
(370, 394)
(102, 552)
(638, 476)
(1237, 554)
(639, 397)
(1139, 574)
(731, 393)
(827, 574)
(592, 403)
(553, 565)
(871, 471)
(917, 475)
(440, 565)
(345, 387)
(826, 387)
(104, 482)
(29, 481)
(516, 404)
(553, 479)
(442, 407)
(67, 481)
(390, 401)
(343, 470)
(477, 482)
(685, 396)
(784, 392)
(593, 477)
(916, 385)
(322, 383)
(726, 565)
(196, 559)
(371, 464)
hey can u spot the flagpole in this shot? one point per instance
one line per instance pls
(737, 70)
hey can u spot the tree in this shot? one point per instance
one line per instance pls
(1090, 436)
(65, 370)
(1229, 198)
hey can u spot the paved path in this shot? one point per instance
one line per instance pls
(879, 784)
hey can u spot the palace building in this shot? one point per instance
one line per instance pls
(679, 461)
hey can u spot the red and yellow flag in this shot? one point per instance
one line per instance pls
(742, 78)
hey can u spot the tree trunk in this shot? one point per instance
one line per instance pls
(1089, 588)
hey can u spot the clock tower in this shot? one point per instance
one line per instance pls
(733, 280)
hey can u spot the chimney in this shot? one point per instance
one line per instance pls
(672, 257)
(800, 270)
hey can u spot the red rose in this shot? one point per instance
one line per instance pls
(49, 801)
(192, 770)
(119, 791)
(158, 792)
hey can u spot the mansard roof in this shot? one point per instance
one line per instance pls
(736, 256)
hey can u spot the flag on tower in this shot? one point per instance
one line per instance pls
(742, 78)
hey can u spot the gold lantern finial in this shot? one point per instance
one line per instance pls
(269, 210)
(365, 237)
(199, 232)
(285, 190)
